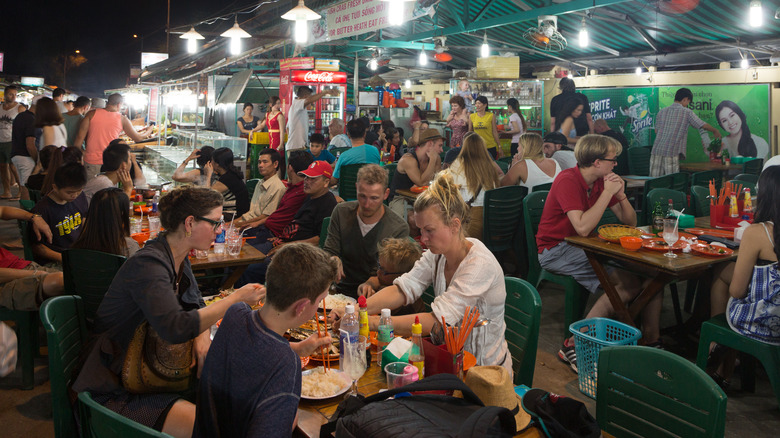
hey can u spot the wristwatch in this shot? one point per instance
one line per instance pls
(33, 217)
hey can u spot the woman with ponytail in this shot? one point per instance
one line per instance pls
(517, 125)
(462, 271)
(230, 182)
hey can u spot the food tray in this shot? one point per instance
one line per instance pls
(613, 232)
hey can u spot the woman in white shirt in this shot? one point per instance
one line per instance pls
(517, 125)
(463, 273)
(475, 172)
(530, 167)
(49, 118)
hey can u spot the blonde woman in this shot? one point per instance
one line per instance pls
(475, 172)
(462, 271)
(530, 167)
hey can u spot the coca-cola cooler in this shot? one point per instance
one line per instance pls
(325, 109)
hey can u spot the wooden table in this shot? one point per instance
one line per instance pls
(709, 165)
(663, 270)
(248, 255)
(407, 194)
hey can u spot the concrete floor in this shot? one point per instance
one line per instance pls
(28, 413)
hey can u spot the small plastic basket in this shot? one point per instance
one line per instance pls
(589, 336)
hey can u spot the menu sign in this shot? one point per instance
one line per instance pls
(355, 17)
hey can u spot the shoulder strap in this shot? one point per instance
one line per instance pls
(474, 198)
(479, 421)
(767, 233)
(438, 382)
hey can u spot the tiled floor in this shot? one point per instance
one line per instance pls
(28, 413)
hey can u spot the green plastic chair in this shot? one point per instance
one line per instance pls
(89, 274)
(26, 204)
(703, 178)
(502, 222)
(507, 160)
(347, 181)
(747, 177)
(662, 182)
(753, 167)
(522, 315)
(663, 196)
(427, 297)
(390, 173)
(26, 243)
(622, 167)
(639, 160)
(35, 195)
(700, 201)
(26, 327)
(542, 187)
(745, 185)
(324, 232)
(97, 421)
(648, 392)
(338, 151)
(576, 295)
(718, 330)
(66, 332)
(680, 181)
(503, 166)
(250, 186)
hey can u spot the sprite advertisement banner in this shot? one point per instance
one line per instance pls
(739, 112)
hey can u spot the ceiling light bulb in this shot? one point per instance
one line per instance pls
(192, 36)
(508, 83)
(235, 34)
(638, 71)
(372, 64)
(570, 76)
(423, 58)
(756, 14)
(744, 63)
(235, 45)
(584, 37)
(485, 51)
(408, 83)
(192, 46)
(301, 31)
(395, 13)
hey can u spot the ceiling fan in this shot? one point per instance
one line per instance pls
(440, 47)
(545, 35)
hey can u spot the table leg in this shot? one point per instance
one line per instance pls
(655, 286)
(617, 304)
(233, 277)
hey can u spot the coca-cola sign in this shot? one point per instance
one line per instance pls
(322, 77)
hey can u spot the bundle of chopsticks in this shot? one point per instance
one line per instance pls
(321, 333)
(720, 197)
(455, 337)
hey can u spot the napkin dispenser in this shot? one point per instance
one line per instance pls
(686, 221)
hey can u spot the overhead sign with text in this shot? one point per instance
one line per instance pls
(356, 17)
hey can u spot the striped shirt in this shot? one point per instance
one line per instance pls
(671, 130)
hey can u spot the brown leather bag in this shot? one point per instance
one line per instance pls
(153, 365)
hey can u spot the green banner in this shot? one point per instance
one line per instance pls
(632, 111)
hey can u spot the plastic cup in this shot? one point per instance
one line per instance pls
(135, 225)
(154, 225)
(201, 253)
(399, 375)
(234, 244)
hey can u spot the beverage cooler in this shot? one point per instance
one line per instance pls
(325, 109)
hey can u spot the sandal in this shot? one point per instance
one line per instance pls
(724, 384)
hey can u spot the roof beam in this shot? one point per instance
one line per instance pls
(645, 36)
(453, 12)
(553, 9)
(482, 12)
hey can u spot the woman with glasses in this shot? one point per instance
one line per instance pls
(157, 286)
(529, 166)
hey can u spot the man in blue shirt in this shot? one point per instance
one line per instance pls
(360, 152)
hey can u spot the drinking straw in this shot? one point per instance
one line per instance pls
(326, 352)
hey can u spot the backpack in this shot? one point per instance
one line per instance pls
(420, 415)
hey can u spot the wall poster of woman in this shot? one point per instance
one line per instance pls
(739, 141)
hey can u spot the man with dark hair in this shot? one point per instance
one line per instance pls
(251, 381)
(58, 96)
(74, 117)
(671, 134)
(63, 209)
(556, 146)
(298, 117)
(99, 128)
(116, 169)
(318, 151)
(360, 152)
(268, 193)
(357, 227)
(24, 153)
(8, 112)
(583, 123)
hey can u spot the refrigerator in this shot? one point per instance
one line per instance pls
(325, 109)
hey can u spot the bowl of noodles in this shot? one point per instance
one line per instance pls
(319, 384)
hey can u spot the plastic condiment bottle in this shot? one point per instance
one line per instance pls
(747, 207)
(385, 335)
(417, 353)
(363, 326)
(733, 207)
(350, 325)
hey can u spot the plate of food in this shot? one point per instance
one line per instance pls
(332, 354)
(418, 189)
(613, 232)
(319, 384)
(658, 244)
(711, 250)
(680, 234)
(339, 301)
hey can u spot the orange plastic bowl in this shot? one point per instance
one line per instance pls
(141, 238)
(631, 243)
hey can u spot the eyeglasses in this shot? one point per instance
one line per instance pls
(614, 160)
(381, 271)
(217, 224)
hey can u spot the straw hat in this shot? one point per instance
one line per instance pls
(493, 385)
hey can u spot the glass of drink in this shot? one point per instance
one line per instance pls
(670, 236)
(234, 244)
(135, 225)
(201, 253)
(154, 225)
(355, 360)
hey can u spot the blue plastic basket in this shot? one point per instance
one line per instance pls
(589, 336)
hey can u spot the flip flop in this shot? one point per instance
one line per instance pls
(10, 198)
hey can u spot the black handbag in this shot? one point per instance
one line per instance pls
(420, 415)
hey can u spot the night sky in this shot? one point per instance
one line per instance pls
(36, 35)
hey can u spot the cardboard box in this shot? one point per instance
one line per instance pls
(498, 67)
(326, 64)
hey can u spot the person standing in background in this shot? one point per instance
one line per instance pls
(484, 123)
(584, 122)
(49, 119)
(99, 128)
(298, 123)
(517, 125)
(8, 112)
(274, 121)
(24, 154)
(247, 124)
(58, 96)
(74, 117)
(458, 121)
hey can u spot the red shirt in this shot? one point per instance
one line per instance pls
(289, 204)
(569, 192)
(8, 260)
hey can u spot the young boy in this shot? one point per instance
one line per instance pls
(63, 209)
(396, 257)
(317, 148)
(251, 381)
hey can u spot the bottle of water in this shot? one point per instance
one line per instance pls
(385, 335)
(350, 325)
(219, 243)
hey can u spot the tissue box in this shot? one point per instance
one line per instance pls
(397, 351)
(686, 221)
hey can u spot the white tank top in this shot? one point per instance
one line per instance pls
(537, 176)
(60, 136)
(6, 122)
